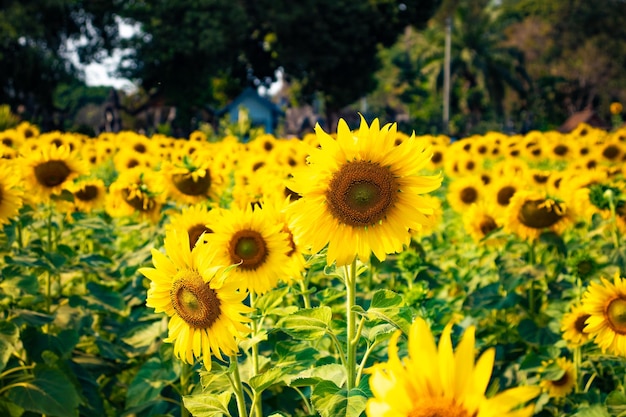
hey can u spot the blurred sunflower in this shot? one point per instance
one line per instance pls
(573, 326)
(11, 138)
(612, 151)
(197, 136)
(501, 191)
(89, 194)
(49, 170)
(10, 193)
(480, 221)
(193, 220)
(606, 305)
(28, 130)
(192, 180)
(361, 193)
(463, 192)
(559, 377)
(435, 218)
(532, 212)
(254, 240)
(538, 178)
(126, 159)
(206, 310)
(138, 190)
(436, 381)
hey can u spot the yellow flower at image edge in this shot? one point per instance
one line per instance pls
(606, 305)
(207, 313)
(436, 381)
(10, 194)
(361, 193)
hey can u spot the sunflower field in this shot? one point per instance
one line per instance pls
(358, 272)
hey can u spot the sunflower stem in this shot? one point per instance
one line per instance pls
(609, 195)
(531, 286)
(238, 388)
(258, 407)
(351, 324)
(577, 365)
(305, 293)
(184, 387)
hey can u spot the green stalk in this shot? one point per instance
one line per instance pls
(351, 324)
(258, 407)
(577, 365)
(615, 235)
(238, 388)
(305, 293)
(531, 287)
(184, 387)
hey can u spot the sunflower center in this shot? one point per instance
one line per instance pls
(437, 157)
(610, 152)
(87, 193)
(137, 201)
(1, 196)
(538, 215)
(186, 184)
(616, 315)
(505, 194)
(469, 195)
(560, 150)
(438, 407)
(361, 193)
(195, 232)
(194, 300)
(249, 248)
(562, 381)
(52, 173)
(580, 324)
(487, 225)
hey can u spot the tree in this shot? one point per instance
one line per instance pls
(331, 46)
(34, 49)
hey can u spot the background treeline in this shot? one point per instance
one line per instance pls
(516, 64)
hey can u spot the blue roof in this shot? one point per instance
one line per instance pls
(250, 94)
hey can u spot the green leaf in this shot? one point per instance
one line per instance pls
(147, 385)
(18, 284)
(307, 324)
(273, 376)
(105, 296)
(271, 300)
(144, 334)
(331, 401)
(32, 318)
(208, 405)
(595, 410)
(383, 299)
(50, 393)
(331, 372)
(9, 335)
(616, 403)
(36, 342)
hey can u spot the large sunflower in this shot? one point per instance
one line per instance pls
(606, 305)
(206, 310)
(435, 381)
(532, 212)
(10, 194)
(361, 193)
(49, 169)
(254, 240)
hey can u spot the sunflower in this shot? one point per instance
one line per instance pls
(193, 220)
(480, 221)
(28, 130)
(206, 310)
(361, 193)
(193, 180)
(573, 326)
(10, 194)
(49, 170)
(435, 381)
(606, 305)
(435, 217)
(254, 240)
(559, 377)
(11, 138)
(464, 192)
(197, 136)
(616, 107)
(89, 194)
(138, 190)
(501, 191)
(532, 212)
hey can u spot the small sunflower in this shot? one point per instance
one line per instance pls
(254, 240)
(436, 381)
(559, 377)
(463, 192)
(49, 170)
(138, 190)
(573, 326)
(89, 194)
(616, 107)
(480, 221)
(361, 193)
(532, 212)
(192, 180)
(206, 310)
(606, 305)
(501, 191)
(193, 220)
(10, 193)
